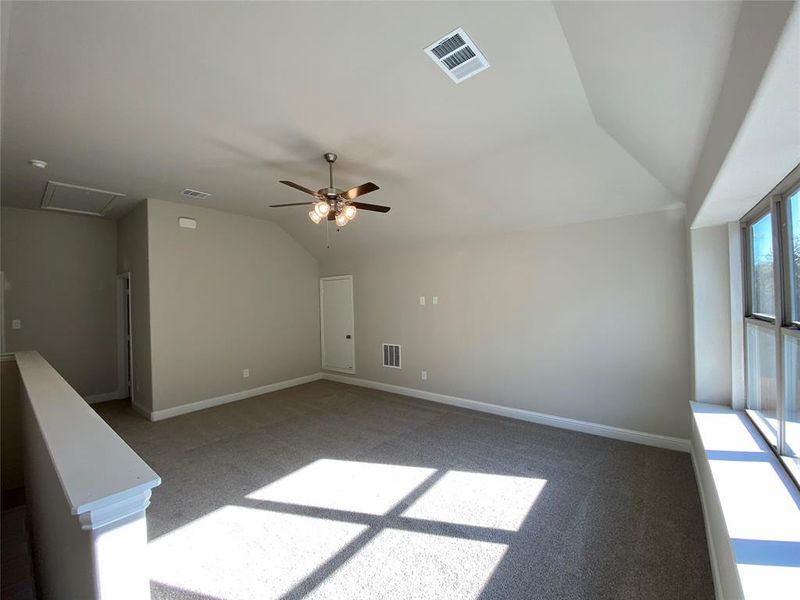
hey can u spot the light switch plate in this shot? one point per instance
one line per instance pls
(436, 299)
(16, 324)
(422, 300)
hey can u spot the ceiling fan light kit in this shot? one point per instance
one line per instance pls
(332, 203)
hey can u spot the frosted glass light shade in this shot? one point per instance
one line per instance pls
(322, 208)
(350, 212)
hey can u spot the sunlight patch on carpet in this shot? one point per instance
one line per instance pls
(370, 488)
(478, 499)
(238, 553)
(405, 564)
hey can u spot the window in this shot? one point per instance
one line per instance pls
(771, 243)
(762, 389)
(793, 236)
(792, 394)
(762, 289)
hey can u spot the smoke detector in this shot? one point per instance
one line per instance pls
(457, 55)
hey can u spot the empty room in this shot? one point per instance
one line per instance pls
(389, 300)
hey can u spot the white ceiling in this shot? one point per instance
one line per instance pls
(588, 111)
(767, 146)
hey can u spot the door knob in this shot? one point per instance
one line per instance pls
(347, 336)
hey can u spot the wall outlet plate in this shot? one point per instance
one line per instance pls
(16, 324)
(424, 376)
(245, 373)
(435, 300)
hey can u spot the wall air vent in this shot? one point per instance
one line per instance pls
(196, 195)
(458, 56)
(77, 199)
(391, 356)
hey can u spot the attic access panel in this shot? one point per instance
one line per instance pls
(77, 199)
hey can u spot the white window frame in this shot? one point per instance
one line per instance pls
(776, 204)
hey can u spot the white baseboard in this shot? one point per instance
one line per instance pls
(95, 398)
(618, 433)
(166, 413)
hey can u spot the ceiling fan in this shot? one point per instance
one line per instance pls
(333, 203)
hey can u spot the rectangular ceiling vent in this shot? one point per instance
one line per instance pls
(195, 194)
(458, 56)
(77, 199)
(391, 355)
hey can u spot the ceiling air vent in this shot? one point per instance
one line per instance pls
(77, 199)
(391, 356)
(458, 56)
(195, 194)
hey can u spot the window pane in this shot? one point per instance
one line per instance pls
(762, 285)
(792, 384)
(794, 253)
(761, 382)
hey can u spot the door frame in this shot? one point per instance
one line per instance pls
(322, 323)
(124, 312)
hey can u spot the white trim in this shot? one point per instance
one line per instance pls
(618, 433)
(166, 413)
(97, 398)
(52, 186)
(123, 508)
(352, 369)
(737, 311)
(712, 551)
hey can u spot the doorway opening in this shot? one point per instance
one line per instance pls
(125, 385)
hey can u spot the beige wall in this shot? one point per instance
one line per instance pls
(60, 273)
(236, 293)
(11, 476)
(132, 257)
(586, 321)
(711, 315)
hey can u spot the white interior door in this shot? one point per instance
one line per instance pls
(336, 320)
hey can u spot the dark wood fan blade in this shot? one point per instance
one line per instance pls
(291, 204)
(375, 207)
(364, 188)
(297, 186)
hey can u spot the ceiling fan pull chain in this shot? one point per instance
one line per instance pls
(327, 235)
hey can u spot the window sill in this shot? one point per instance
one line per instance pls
(750, 504)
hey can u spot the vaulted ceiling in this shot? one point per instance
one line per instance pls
(589, 110)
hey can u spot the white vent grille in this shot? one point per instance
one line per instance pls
(195, 194)
(458, 56)
(77, 199)
(391, 355)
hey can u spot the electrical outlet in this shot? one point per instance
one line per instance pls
(422, 300)
(16, 324)
(424, 376)
(245, 373)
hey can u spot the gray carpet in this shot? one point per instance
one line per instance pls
(333, 491)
